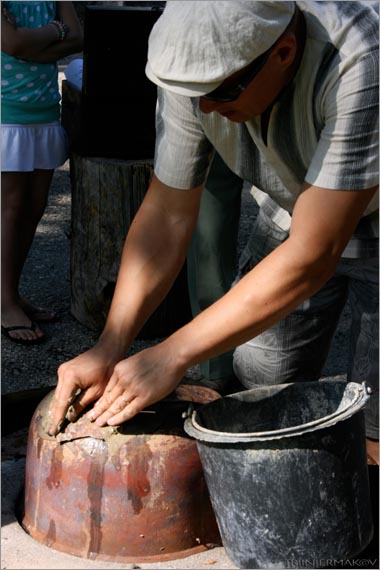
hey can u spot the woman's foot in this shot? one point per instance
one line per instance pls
(18, 327)
(38, 314)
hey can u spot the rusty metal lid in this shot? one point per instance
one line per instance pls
(165, 415)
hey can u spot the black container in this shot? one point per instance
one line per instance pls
(118, 100)
(287, 473)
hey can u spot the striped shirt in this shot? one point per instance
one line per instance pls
(322, 130)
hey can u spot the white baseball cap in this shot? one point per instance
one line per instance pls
(195, 45)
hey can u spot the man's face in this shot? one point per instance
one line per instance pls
(260, 92)
(254, 100)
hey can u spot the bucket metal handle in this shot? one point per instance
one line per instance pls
(196, 430)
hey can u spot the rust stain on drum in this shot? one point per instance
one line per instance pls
(55, 468)
(51, 535)
(95, 493)
(132, 494)
(136, 479)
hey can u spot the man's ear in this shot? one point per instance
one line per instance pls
(284, 52)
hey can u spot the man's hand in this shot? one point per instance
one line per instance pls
(80, 382)
(136, 383)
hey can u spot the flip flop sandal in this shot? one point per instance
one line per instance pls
(6, 330)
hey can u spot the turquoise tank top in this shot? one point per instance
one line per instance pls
(29, 91)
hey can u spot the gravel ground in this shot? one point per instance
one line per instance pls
(46, 281)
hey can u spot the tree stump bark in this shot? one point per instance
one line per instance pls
(106, 194)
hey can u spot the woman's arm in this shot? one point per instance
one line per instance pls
(73, 42)
(24, 43)
(42, 44)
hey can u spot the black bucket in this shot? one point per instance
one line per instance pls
(287, 473)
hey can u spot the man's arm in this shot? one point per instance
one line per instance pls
(153, 255)
(323, 222)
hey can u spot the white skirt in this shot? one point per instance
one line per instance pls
(25, 148)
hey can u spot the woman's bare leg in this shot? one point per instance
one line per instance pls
(24, 196)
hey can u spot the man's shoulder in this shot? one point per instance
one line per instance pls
(351, 27)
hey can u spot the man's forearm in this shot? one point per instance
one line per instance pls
(264, 296)
(153, 254)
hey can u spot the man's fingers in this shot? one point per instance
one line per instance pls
(111, 393)
(80, 403)
(100, 406)
(129, 410)
(132, 408)
(108, 404)
(58, 409)
(64, 395)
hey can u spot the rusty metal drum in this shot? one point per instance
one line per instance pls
(135, 493)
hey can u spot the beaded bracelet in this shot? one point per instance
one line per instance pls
(61, 29)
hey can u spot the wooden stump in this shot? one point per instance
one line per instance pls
(106, 194)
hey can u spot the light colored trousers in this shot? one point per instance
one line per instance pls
(212, 256)
(296, 348)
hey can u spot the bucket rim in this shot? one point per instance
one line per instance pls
(193, 428)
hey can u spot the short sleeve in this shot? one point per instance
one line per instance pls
(182, 153)
(347, 153)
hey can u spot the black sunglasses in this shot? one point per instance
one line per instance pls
(230, 93)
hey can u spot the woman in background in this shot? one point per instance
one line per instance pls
(34, 35)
